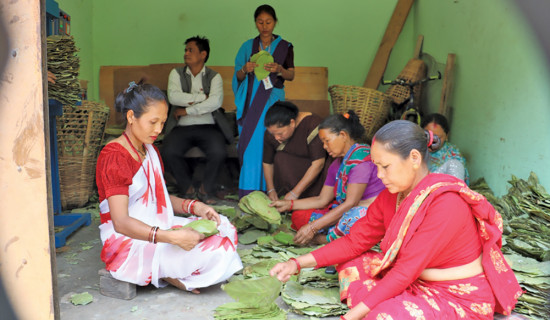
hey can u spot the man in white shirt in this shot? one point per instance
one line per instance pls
(194, 91)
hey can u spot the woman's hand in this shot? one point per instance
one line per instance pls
(272, 196)
(206, 212)
(185, 238)
(358, 312)
(283, 270)
(305, 234)
(281, 205)
(249, 67)
(291, 196)
(273, 67)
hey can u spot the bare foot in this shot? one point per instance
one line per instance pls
(176, 283)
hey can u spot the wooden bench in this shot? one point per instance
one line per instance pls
(308, 90)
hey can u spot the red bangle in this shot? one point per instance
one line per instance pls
(191, 208)
(297, 265)
(291, 205)
(183, 206)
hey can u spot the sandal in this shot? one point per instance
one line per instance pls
(208, 199)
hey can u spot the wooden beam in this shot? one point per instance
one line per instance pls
(418, 48)
(447, 87)
(393, 30)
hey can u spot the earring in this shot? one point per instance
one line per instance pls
(415, 166)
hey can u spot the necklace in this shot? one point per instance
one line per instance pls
(268, 46)
(400, 197)
(139, 152)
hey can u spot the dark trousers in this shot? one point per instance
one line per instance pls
(209, 139)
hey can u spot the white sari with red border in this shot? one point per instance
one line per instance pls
(213, 260)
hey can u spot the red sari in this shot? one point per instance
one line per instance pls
(441, 224)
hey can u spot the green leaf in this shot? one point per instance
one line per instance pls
(81, 298)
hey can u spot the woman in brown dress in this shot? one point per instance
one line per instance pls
(294, 161)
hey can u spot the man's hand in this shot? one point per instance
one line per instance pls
(180, 112)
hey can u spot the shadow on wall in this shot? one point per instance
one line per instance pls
(536, 13)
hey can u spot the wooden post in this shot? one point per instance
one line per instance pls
(447, 86)
(393, 30)
(418, 48)
(24, 232)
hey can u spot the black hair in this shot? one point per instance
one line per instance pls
(280, 114)
(136, 98)
(437, 119)
(202, 43)
(349, 122)
(403, 136)
(267, 9)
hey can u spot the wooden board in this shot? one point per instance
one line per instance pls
(418, 48)
(393, 30)
(447, 87)
(310, 83)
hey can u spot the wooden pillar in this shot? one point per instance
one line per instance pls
(26, 252)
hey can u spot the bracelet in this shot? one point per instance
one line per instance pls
(297, 265)
(153, 234)
(191, 210)
(242, 69)
(183, 206)
(312, 229)
(291, 205)
(189, 205)
(293, 194)
(271, 190)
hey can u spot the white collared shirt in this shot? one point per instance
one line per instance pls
(199, 108)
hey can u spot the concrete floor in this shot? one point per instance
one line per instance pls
(77, 270)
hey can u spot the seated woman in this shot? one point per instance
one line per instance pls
(440, 243)
(137, 213)
(350, 187)
(294, 161)
(447, 158)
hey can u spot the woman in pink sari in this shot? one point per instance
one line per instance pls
(440, 243)
(140, 244)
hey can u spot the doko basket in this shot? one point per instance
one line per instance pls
(414, 70)
(370, 105)
(79, 137)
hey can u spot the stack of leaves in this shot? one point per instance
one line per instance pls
(204, 226)
(525, 210)
(534, 278)
(257, 203)
(318, 302)
(261, 58)
(318, 278)
(255, 299)
(64, 64)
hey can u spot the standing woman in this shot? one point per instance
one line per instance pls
(137, 213)
(253, 97)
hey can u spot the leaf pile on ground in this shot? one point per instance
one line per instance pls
(525, 210)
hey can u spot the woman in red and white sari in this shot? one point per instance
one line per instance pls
(440, 243)
(140, 244)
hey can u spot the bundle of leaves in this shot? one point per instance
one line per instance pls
(255, 299)
(318, 302)
(206, 227)
(534, 278)
(257, 203)
(525, 210)
(318, 278)
(64, 64)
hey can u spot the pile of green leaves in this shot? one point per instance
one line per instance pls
(257, 203)
(525, 210)
(318, 302)
(255, 299)
(64, 64)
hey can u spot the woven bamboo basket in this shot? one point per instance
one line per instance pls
(79, 136)
(413, 71)
(370, 105)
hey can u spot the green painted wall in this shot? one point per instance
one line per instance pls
(81, 28)
(501, 117)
